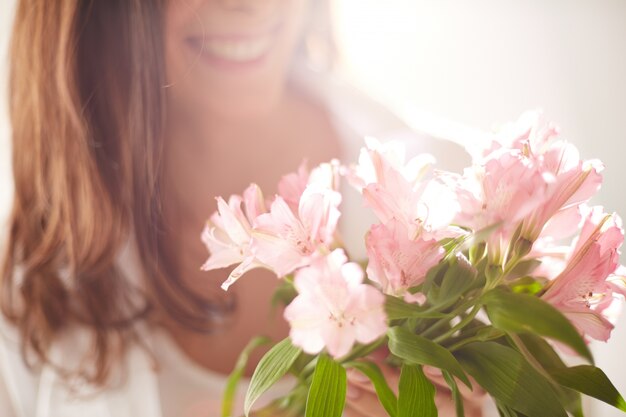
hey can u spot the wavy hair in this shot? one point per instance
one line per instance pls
(87, 111)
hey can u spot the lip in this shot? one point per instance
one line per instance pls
(234, 51)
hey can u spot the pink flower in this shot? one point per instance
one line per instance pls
(380, 163)
(506, 189)
(284, 240)
(571, 182)
(500, 193)
(587, 289)
(397, 263)
(324, 176)
(334, 309)
(396, 190)
(529, 133)
(291, 186)
(227, 235)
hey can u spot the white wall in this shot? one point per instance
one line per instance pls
(482, 62)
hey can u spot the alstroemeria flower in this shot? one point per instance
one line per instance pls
(292, 185)
(501, 192)
(505, 189)
(284, 240)
(227, 234)
(397, 263)
(381, 162)
(396, 189)
(571, 182)
(334, 309)
(529, 133)
(587, 289)
(323, 176)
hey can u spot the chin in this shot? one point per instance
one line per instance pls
(246, 93)
(239, 107)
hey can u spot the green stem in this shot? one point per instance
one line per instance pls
(475, 338)
(464, 322)
(510, 265)
(442, 322)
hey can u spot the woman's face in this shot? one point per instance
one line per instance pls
(229, 58)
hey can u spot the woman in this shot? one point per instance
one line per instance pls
(128, 117)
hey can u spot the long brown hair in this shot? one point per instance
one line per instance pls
(87, 108)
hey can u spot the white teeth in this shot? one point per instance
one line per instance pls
(239, 51)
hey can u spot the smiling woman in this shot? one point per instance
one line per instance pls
(127, 117)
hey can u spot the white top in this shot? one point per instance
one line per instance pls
(180, 387)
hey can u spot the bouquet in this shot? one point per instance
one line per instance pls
(492, 276)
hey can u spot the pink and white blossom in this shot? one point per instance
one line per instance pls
(588, 288)
(380, 163)
(571, 182)
(292, 185)
(395, 189)
(530, 133)
(284, 240)
(334, 309)
(501, 193)
(397, 263)
(227, 234)
(503, 190)
(324, 176)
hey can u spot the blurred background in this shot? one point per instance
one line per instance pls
(480, 63)
(484, 62)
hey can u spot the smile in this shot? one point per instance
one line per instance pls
(234, 50)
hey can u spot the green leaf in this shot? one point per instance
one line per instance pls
(505, 374)
(456, 394)
(521, 313)
(547, 358)
(327, 395)
(459, 277)
(396, 308)
(434, 274)
(591, 381)
(542, 351)
(419, 350)
(273, 366)
(416, 396)
(505, 411)
(233, 379)
(385, 395)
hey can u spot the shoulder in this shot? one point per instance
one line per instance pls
(356, 114)
(132, 391)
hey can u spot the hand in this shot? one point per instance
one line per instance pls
(361, 399)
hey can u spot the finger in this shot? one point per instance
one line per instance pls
(358, 379)
(363, 403)
(436, 376)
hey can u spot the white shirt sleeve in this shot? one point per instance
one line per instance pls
(9, 406)
(6, 404)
